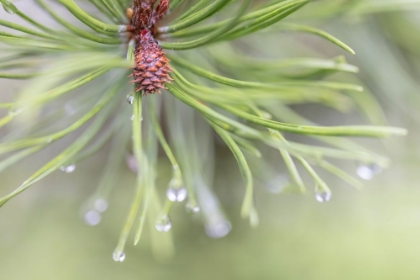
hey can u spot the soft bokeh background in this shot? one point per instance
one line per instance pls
(371, 234)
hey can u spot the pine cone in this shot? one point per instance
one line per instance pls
(152, 68)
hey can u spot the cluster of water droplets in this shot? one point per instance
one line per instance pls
(368, 171)
(68, 168)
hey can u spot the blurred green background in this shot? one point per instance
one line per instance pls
(369, 234)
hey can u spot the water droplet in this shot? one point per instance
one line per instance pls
(92, 218)
(253, 218)
(131, 162)
(49, 140)
(176, 194)
(367, 172)
(101, 204)
(164, 224)
(15, 111)
(132, 117)
(122, 28)
(7, 9)
(70, 110)
(192, 208)
(118, 256)
(323, 196)
(267, 115)
(69, 168)
(277, 184)
(130, 99)
(219, 229)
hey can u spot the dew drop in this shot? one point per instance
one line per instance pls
(277, 184)
(164, 224)
(92, 218)
(253, 218)
(176, 194)
(68, 168)
(131, 163)
(132, 117)
(267, 115)
(49, 140)
(323, 196)
(219, 229)
(7, 9)
(70, 110)
(118, 256)
(367, 172)
(122, 28)
(15, 111)
(192, 208)
(130, 99)
(101, 205)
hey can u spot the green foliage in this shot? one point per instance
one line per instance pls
(245, 100)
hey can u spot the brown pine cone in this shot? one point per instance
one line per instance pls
(152, 68)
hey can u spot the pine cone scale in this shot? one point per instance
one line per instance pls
(152, 67)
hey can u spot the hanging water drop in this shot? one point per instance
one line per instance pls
(101, 205)
(68, 168)
(6, 8)
(277, 184)
(267, 115)
(367, 172)
(130, 99)
(192, 208)
(118, 256)
(164, 224)
(176, 194)
(219, 229)
(70, 109)
(92, 218)
(131, 162)
(254, 220)
(323, 196)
